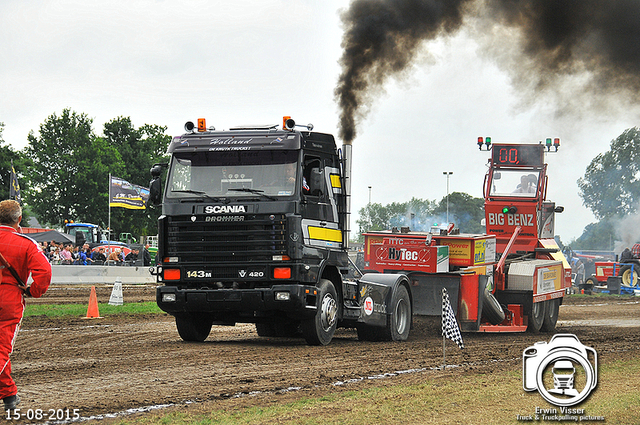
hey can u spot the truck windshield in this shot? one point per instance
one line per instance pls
(519, 183)
(272, 173)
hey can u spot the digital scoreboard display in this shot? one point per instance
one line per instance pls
(517, 155)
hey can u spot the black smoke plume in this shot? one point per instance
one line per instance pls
(382, 38)
(582, 53)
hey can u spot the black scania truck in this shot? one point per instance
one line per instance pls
(254, 229)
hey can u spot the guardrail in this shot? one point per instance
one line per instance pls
(69, 274)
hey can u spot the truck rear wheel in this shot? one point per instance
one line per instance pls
(193, 327)
(319, 330)
(551, 316)
(536, 317)
(629, 278)
(399, 321)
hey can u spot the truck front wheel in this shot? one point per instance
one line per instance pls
(536, 317)
(193, 327)
(319, 330)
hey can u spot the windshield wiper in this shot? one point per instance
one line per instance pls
(198, 192)
(256, 191)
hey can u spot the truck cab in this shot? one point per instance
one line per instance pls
(252, 230)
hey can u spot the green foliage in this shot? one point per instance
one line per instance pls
(611, 185)
(7, 155)
(67, 172)
(70, 169)
(465, 211)
(597, 236)
(62, 310)
(139, 149)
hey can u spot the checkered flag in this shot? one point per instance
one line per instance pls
(450, 327)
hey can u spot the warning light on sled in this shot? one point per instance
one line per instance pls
(556, 143)
(509, 210)
(486, 141)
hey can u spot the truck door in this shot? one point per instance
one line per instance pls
(319, 212)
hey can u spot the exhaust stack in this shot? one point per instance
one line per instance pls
(346, 165)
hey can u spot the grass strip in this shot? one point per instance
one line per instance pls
(472, 398)
(59, 310)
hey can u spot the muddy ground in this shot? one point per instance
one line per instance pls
(106, 366)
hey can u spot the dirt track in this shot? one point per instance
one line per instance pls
(105, 366)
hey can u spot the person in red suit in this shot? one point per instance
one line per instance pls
(25, 258)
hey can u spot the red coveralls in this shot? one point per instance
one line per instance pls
(26, 257)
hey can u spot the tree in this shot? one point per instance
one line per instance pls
(69, 169)
(419, 214)
(465, 211)
(7, 156)
(597, 236)
(139, 149)
(611, 185)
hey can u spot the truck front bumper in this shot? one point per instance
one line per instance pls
(298, 300)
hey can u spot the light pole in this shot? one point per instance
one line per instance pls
(369, 195)
(447, 174)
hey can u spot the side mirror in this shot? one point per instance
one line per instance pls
(155, 186)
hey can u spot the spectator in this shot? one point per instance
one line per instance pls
(146, 256)
(75, 254)
(115, 256)
(132, 257)
(85, 254)
(98, 256)
(65, 255)
(55, 256)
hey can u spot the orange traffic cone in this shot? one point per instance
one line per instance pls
(92, 311)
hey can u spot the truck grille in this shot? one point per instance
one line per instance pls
(254, 239)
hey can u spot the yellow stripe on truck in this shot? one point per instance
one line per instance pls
(335, 180)
(323, 234)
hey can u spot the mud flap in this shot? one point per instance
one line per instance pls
(375, 292)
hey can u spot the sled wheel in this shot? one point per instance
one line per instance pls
(536, 317)
(551, 315)
(491, 308)
(193, 327)
(319, 330)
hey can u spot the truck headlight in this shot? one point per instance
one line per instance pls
(168, 298)
(283, 296)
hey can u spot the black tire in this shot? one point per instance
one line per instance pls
(551, 315)
(629, 278)
(491, 309)
(536, 317)
(399, 321)
(266, 329)
(193, 328)
(319, 330)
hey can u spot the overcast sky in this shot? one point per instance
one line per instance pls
(247, 62)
